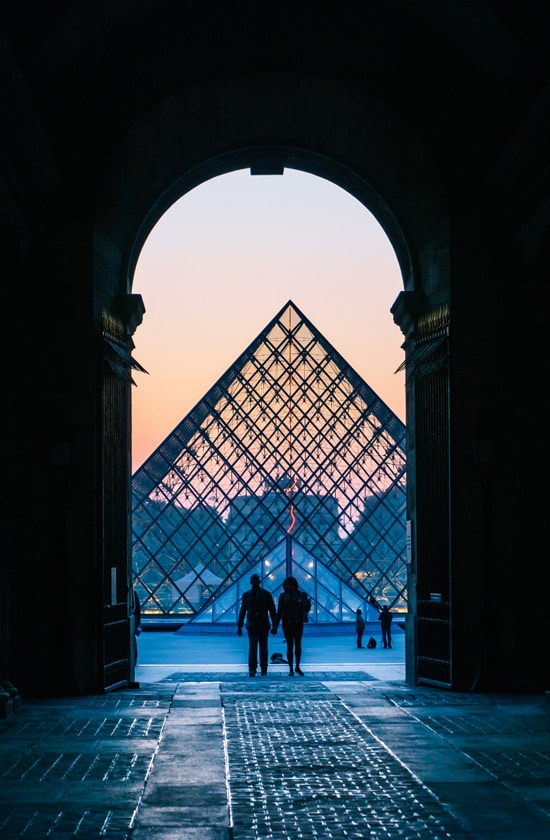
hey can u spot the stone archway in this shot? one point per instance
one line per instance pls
(435, 118)
(217, 128)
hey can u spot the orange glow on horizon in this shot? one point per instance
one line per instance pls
(225, 258)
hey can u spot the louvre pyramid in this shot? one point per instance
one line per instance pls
(290, 464)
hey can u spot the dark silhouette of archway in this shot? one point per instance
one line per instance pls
(435, 116)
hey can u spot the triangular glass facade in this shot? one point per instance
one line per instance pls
(290, 464)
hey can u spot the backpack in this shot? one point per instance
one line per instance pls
(371, 643)
(278, 659)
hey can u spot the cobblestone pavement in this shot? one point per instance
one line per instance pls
(277, 759)
(306, 767)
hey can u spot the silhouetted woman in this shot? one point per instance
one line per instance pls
(292, 610)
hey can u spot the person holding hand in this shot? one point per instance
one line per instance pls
(292, 610)
(258, 607)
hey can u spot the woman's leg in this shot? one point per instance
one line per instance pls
(289, 646)
(298, 633)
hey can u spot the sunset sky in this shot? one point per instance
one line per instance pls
(221, 263)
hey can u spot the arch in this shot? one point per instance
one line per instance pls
(261, 123)
(434, 114)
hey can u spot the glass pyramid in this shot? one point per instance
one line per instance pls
(290, 464)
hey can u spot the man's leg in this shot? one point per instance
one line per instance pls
(252, 650)
(263, 636)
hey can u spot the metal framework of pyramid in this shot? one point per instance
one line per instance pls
(290, 464)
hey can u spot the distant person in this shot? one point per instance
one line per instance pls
(385, 618)
(258, 607)
(292, 610)
(359, 627)
(136, 612)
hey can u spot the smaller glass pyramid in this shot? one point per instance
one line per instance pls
(290, 464)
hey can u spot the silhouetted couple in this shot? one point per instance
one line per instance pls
(258, 608)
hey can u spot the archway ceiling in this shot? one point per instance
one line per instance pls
(144, 50)
(389, 92)
(341, 136)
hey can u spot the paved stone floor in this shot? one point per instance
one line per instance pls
(230, 758)
(201, 752)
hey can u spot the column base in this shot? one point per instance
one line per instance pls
(7, 706)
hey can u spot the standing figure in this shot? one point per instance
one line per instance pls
(385, 618)
(359, 627)
(259, 607)
(292, 610)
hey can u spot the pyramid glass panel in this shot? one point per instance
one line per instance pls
(290, 464)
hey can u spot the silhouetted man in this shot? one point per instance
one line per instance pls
(359, 627)
(385, 618)
(258, 607)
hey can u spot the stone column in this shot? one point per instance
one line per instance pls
(9, 696)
